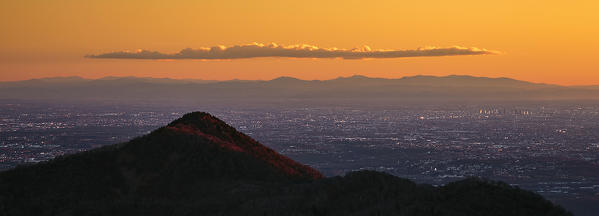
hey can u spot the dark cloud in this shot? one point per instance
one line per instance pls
(256, 50)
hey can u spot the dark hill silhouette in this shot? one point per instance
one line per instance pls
(199, 165)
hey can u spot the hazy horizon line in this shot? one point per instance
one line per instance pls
(290, 77)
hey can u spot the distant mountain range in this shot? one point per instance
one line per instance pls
(199, 165)
(355, 88)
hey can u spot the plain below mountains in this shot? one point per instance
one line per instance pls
(199, 165)
(355, 89)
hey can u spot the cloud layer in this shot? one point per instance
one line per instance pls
(257, 50)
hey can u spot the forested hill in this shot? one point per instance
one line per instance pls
(199, 165)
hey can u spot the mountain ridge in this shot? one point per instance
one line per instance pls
(281, 78)
(353, 77)
(354, 89)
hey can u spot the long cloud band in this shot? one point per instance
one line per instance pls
(257, 50)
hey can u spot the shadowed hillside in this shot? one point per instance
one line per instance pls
(199, 165)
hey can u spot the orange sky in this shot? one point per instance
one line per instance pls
(542, 41)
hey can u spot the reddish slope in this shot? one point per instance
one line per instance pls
(218, 132)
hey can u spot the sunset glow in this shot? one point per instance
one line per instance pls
(547, 42)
